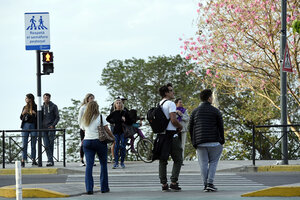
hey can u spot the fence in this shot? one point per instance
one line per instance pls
(266, 142)
(13, 140)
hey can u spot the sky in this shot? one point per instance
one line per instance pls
(84, 36)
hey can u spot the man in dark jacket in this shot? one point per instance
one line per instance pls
(207, 135)
(50, 119)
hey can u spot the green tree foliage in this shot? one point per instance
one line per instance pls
(68, 120)
(139, 80)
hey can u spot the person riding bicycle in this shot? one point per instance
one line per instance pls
(134, 118)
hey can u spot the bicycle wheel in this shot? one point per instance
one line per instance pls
(144, 150)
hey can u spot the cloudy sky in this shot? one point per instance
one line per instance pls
(84, 35)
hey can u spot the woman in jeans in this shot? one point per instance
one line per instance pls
(88, 98)
(92, 145)
(28, 117)
(118, 117)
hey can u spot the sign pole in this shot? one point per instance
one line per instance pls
(39, 107)
(283, 83)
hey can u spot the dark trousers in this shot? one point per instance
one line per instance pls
(172, 145)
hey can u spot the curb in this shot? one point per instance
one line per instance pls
(10, 192)
(279, 168)
(29, 171)
(277, 191)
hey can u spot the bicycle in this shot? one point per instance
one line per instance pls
(143, 148)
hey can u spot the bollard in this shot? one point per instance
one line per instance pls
(18, 173)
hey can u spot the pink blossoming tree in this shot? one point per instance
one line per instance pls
(238, 42)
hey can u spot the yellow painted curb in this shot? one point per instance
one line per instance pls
(26, 171)
(279, 168)
(278, 191)
(10, 192)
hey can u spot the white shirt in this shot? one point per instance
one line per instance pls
(91, 131)
(169, 107)
(80, 114)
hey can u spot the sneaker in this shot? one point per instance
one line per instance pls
(106, 191)
(165, 188)
(95, 164)
(211, 188)
(122, 165)
(205, 188)
(82, 164)
(50, 164)
(175, 187)
(22, 163)
(90, 192)
(115, 166)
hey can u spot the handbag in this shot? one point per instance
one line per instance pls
(128, 130)
(103, 135)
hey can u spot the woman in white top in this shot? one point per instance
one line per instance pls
(88, 98)
(91, 145)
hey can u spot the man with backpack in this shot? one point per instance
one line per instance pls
(168, 142)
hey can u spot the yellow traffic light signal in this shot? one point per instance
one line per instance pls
(48, 62)
(48, 57)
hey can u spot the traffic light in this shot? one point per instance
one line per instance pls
(48, 62)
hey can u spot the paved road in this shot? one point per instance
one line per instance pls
(147, 187)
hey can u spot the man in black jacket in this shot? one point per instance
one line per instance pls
(207, 135)
(50, 119)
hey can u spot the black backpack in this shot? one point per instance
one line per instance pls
(157, 119)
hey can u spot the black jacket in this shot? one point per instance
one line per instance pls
(116, 118)
(50, 115)
(206, 125)
(29, 118)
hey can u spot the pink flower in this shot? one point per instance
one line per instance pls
(188, 72)
(214, 85)
(208, 71)
(180, 39)
(217, 76)
(200, 4)
(273, 50)
(242, 76)
(288, 19)
(221, 19)
(198, 10)
(231, 39)
(234, 57)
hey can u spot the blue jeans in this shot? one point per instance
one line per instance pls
(90, 148)
(208, 158)
(120, 145)
(48, 138)
(25, 136)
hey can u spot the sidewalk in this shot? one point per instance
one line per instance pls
(190, 167)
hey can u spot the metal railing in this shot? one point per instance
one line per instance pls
(12, 141)
(266, 142)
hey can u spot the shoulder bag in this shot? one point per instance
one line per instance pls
(103, 135)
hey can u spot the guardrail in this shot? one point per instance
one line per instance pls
(10, 138)
(266, 142)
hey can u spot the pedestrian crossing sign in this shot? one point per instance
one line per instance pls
(37, 31)
(287, 64)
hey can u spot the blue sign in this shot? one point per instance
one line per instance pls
(37, 31)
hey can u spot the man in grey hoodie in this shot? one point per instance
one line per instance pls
(50, 119)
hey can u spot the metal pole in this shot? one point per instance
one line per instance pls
(39, 107)
(64, 147)
(283, 83)
(253, 145)
(3, 149)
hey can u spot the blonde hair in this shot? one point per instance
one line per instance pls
(86, 98)
(91, 113)
(115, 103)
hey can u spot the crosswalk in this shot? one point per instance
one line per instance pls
(151, 181)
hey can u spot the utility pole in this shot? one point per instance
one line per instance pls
(283, 83)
